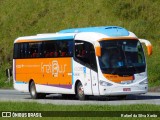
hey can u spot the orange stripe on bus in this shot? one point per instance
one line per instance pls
(119, 38)
(20, 41)
(117, 78)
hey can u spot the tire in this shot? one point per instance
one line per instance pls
(33, 92)
(80, 91)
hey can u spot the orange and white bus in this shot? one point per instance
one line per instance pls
(99, 61)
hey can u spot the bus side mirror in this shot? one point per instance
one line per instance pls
(149, 50)
(98, 51)
(148, 45)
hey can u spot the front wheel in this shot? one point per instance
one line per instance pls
(80, 92)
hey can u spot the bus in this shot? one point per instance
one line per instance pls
(81, 62)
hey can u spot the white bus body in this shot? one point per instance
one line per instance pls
(82, 72)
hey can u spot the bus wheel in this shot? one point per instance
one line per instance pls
(33, 92)
(80, 91)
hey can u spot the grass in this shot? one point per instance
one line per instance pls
(28, 17)
(33, 106)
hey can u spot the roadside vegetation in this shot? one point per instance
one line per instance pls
(52, 109)
(29, 17)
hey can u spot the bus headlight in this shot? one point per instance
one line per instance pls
(144, 82)
(103, 83)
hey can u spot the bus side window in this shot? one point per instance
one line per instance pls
(47, 54)
(85, 54)
(35, 50)
(34, 54)
(70, 48)
(16, 54)
(47, 49)
(64, 49)
(21, 51)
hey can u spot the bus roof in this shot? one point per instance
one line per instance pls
(111, 31)
(48, 36)
(89, 34)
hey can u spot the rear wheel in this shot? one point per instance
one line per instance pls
(80, 92)
(33, 92)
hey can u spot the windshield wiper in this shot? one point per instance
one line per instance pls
(132, 66)
(114, 71)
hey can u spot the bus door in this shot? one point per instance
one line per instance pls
(87, 80)
(94, 72)
(91, 81)
(95, 86)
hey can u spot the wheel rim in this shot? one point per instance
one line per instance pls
(33, 91)
(80, 91)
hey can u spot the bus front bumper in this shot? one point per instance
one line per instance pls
(123, 90)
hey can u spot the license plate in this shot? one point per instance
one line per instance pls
(126, 89)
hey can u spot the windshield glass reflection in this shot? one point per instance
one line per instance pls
(122, 57)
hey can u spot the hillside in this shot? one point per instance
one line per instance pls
(28, 17)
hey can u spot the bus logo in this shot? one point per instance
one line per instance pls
(53, 68)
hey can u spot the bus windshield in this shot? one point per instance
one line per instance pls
(122, 57)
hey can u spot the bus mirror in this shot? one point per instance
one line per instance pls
(98, 51)
(148, 45)
(149, 50)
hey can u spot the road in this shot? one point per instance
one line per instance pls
(149, 98)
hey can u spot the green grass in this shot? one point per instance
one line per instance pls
(33, 106)
(29, 17)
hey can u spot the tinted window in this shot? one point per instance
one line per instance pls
(122, 57)
(47, 49)
(85, 54)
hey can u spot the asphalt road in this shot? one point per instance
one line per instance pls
(149, 98)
